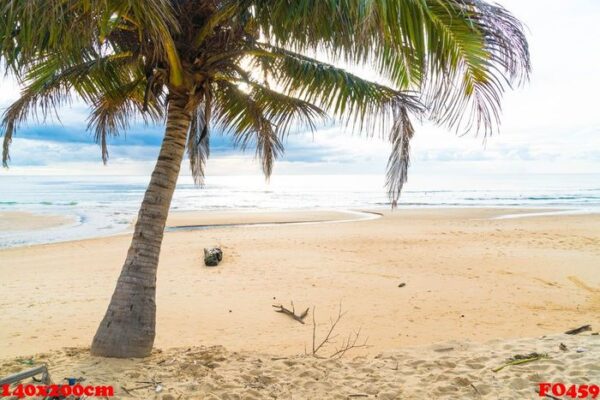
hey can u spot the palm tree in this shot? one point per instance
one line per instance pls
(253, 69)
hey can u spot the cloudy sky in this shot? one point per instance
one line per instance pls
(552, 125)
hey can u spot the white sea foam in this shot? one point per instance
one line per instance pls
(106, 205)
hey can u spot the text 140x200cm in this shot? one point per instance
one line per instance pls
(30, 390)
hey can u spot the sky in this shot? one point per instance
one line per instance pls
(551, 125)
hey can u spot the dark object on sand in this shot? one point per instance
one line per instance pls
(212, 257)
(402, 284)
(518, 357)
(563, 347)
(30, 373)
(583, 328)
(291, 313)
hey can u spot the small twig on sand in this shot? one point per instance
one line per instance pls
(316, 347)
(148, 384)
(520, 359)
(358, 395)
(347, 344)
(137, 388)
(583, 328)
(475, 389)
(291, 313)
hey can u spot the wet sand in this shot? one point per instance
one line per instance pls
(24, 221)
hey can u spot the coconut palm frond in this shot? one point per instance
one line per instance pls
(488, 52)
(198, 146)
(367, 106)
(18, 111)
(51, 82)
(240, 113)
(88, 76)
(283, 111)
(397, 168)
(25, 32)
(286, 111)
(387, 35)
(112, 112)
(6, 142)
(67, 27)
(221, 15)
(461, 54)
(361, 103)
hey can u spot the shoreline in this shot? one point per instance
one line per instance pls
(40, 222)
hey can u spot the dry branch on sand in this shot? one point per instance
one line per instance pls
(291, 313)
(349, 343)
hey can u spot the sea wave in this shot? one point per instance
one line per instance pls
(107, 205)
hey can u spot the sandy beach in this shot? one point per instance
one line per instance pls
(455, 370)
(24, 221)
(468, 278)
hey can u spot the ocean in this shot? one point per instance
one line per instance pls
(105, 205)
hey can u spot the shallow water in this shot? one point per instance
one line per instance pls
(105, 205)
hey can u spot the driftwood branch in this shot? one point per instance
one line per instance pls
(583, 328)
(291, 313)
(349, 343)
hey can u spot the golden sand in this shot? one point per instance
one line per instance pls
(468, 278)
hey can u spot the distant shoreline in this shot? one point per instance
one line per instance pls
(44, 225)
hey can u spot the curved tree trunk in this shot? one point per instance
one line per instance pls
(128, 327)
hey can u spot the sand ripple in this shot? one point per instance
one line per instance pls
(454, 370)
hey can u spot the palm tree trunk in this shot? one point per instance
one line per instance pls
(128, 327)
